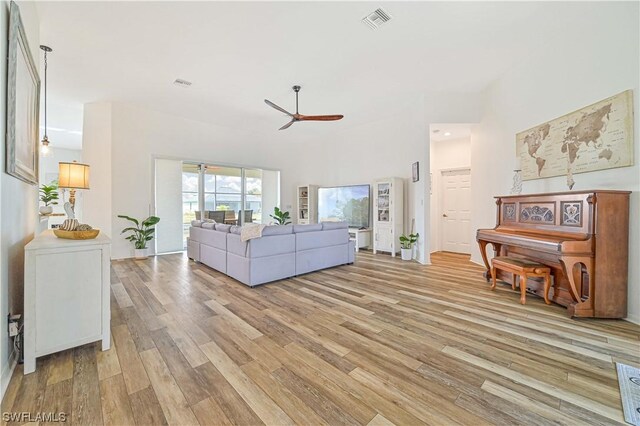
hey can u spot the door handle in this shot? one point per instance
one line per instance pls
(444, 215)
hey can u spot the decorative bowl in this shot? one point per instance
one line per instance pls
(77, 235)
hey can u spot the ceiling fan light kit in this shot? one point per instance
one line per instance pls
(300, 117)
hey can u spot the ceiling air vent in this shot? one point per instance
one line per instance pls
(377, 18)
(182, 83)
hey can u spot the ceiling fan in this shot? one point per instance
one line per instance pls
(299, 117)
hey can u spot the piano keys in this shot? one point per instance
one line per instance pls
(582, 236)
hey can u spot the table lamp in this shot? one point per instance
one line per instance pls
(72, 176)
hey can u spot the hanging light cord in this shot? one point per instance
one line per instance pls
(45, 95)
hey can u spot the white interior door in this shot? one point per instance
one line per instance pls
(456, 210)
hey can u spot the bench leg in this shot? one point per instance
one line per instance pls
(493, 277)
(547, 287)
(513, 281)
(523, 289)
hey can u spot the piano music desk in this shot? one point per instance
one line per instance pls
(524, 269)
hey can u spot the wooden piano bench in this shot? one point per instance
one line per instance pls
(524, 269)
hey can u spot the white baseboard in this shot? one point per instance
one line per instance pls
(7, 372)
(633, 318)
(476, 262)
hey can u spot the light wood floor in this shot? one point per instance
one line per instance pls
(378, 342)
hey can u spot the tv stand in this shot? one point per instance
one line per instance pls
(362, 237)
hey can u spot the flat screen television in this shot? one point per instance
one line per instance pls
(345, 204)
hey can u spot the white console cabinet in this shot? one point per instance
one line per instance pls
(388, 215)
(66, 295)
(361, 237)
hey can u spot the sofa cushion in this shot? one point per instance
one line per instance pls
(261, 247)
(220, 227)
(208, 225)
(334, 225)
(235, 229)
(195, 233)
(277, 230)
(196, 223)
(211, 237)
(307, 228)
(318, 239)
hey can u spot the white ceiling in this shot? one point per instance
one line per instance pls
(449, 131)
(238, 53)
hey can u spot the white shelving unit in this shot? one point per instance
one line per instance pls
(388, 215)
(307, 196)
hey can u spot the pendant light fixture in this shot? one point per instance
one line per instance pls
(45, 150)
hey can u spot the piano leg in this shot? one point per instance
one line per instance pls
(483, 251)
(493, 278)
(523, 289)
(547, 287)
(580, 308)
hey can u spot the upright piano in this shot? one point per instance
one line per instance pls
(582, 236)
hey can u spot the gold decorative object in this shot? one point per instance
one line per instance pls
(76, 235)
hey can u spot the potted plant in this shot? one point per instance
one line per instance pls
(140, 234)
(406, 244)
(48, 195)
(281, 217)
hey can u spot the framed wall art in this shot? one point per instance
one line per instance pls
(23, 104)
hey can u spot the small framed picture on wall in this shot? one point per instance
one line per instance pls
(415, 171)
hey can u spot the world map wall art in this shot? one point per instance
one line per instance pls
(596, 137)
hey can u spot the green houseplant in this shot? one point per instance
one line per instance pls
(49, 196)
(140, 233)
(406, 244)
(281, 217)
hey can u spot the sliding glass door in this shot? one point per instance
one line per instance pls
(253, 196)
(222, 188)
(190, 197)
(232, 195)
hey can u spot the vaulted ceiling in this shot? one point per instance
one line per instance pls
(238, 53)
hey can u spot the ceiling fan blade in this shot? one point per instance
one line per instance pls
(272, 105)
(286, 126)
(320, 117)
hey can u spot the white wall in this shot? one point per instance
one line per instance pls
(96, 152)
(449, 154)
(385, 148)
(270, 194)
(121, 140)
(132, 137)
(589, 64)
(18, 201)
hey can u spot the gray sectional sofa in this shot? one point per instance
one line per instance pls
(282, 251)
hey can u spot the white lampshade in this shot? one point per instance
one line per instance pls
(518, 164)
(73, 175)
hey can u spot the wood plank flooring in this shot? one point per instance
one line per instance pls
(379, 342)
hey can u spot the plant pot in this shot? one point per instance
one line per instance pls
(140, 254)
(406, 254)
(46, 209)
